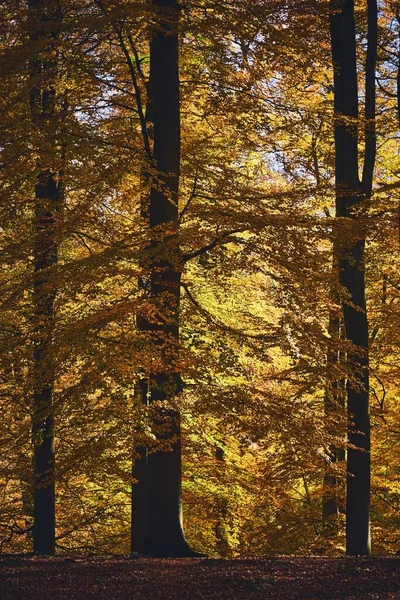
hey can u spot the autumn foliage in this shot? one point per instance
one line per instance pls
(205, 323)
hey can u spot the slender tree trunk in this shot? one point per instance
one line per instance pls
(350, 195)
(162, 469)
(43, 19)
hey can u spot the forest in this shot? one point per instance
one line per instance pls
(199, 277)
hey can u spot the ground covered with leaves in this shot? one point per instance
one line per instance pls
(286, 578)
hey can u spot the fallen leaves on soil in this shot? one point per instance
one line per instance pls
(280, 578)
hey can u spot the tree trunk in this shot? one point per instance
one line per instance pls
(44, 22)
(162, 469)
(350, 195)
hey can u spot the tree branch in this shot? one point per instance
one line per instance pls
(224, 238)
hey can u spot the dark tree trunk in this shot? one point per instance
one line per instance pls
(44, 22)
(350, 196)
(159, 528)
(45, 257)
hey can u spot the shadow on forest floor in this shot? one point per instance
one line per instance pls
(278, 578)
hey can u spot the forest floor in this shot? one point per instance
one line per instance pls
(278, 578)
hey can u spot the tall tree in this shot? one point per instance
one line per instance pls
(44, 22)
(351, 196)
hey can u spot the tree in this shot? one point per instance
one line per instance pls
(44, 21)
(351, 194)
(164, 535)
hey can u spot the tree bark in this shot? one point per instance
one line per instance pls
(161, 468)
(350, 197)
(44, 20)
